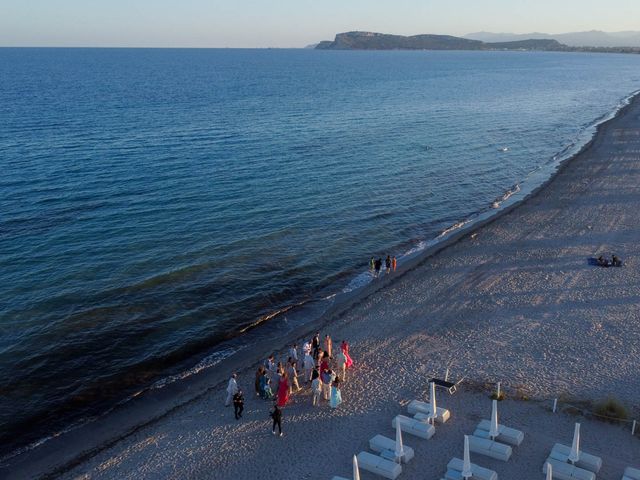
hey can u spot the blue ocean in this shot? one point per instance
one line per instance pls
(161, 209)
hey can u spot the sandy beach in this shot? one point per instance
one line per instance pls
(515, 300)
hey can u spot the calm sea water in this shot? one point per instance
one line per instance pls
(154, 203)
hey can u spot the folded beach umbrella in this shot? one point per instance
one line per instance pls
(574, 455)
(399, 447)
(356, 471)
(493, 429)
(549, 472)
(466, 464)
(432, 401)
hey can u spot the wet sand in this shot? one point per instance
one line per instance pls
(513, 300)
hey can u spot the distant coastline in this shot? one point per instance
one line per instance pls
(381, 41)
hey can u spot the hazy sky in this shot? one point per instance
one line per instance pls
(290, 23)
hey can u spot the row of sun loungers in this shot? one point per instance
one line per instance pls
(386, 447)
(631, 474)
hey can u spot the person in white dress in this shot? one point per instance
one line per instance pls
(232, 389)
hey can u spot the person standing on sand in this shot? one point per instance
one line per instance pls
(308, 365)
(387, 263)
(238, 404)
(283, 391)
(276, 415)
(232, 389)
(315, 344)
(336, 396)
(293, 353)
(328, 344)
(394, 263)
(316, 387)
(306, 349)
(345, 349)
(265, 386)
(327, 378)
(341, 363)
(259, 374)
(293, 377)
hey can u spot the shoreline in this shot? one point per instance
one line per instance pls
(70, 449)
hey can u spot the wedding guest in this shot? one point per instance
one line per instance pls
(238, 404)
(336, 396)
(232, 389)
(316, 387)
(328, 344)
(276, 415)
(308, 365)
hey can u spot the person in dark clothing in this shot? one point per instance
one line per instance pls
(315, 345)
(378, 266)
(276, 415)
(387, 263)
(238, 404)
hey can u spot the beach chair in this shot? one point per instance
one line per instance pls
(414, 427)
(339, 478)
(445, 384)
(490, 448)
(586, 461)
(631, 474)
(454, 471)
(507, 435)
(378, 465)
(566, 471)
(416, 407)
(386, 447)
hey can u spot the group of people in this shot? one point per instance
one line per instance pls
(375, 266)
(321, 366)
(614, 262)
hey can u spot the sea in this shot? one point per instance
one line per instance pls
(162, 209)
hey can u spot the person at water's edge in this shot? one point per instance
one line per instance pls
(276, 415)
(378, 266)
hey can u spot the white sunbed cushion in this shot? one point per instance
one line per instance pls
(380, 443)
(490, 448)
(586, 460)
(378, 465)
(632, 473)
(566, 471)
(505, 434)
(416, 406)
(480, 473)
(414, 427)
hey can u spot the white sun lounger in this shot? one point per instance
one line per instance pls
(339, 478)
(566, 471)
(414, 427)
(505, 434)
(424, 408)
(489, 448)
(378, 465)
(387, 448)
(454, 471)
(587, 461)
(631, 474)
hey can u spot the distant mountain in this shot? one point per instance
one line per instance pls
(382, 41)
(594, 38)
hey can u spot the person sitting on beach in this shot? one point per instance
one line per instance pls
(336, 395)
(615, 261)
(316, 387)
(602, 262)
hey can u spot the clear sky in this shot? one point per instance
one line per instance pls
(290, 23)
